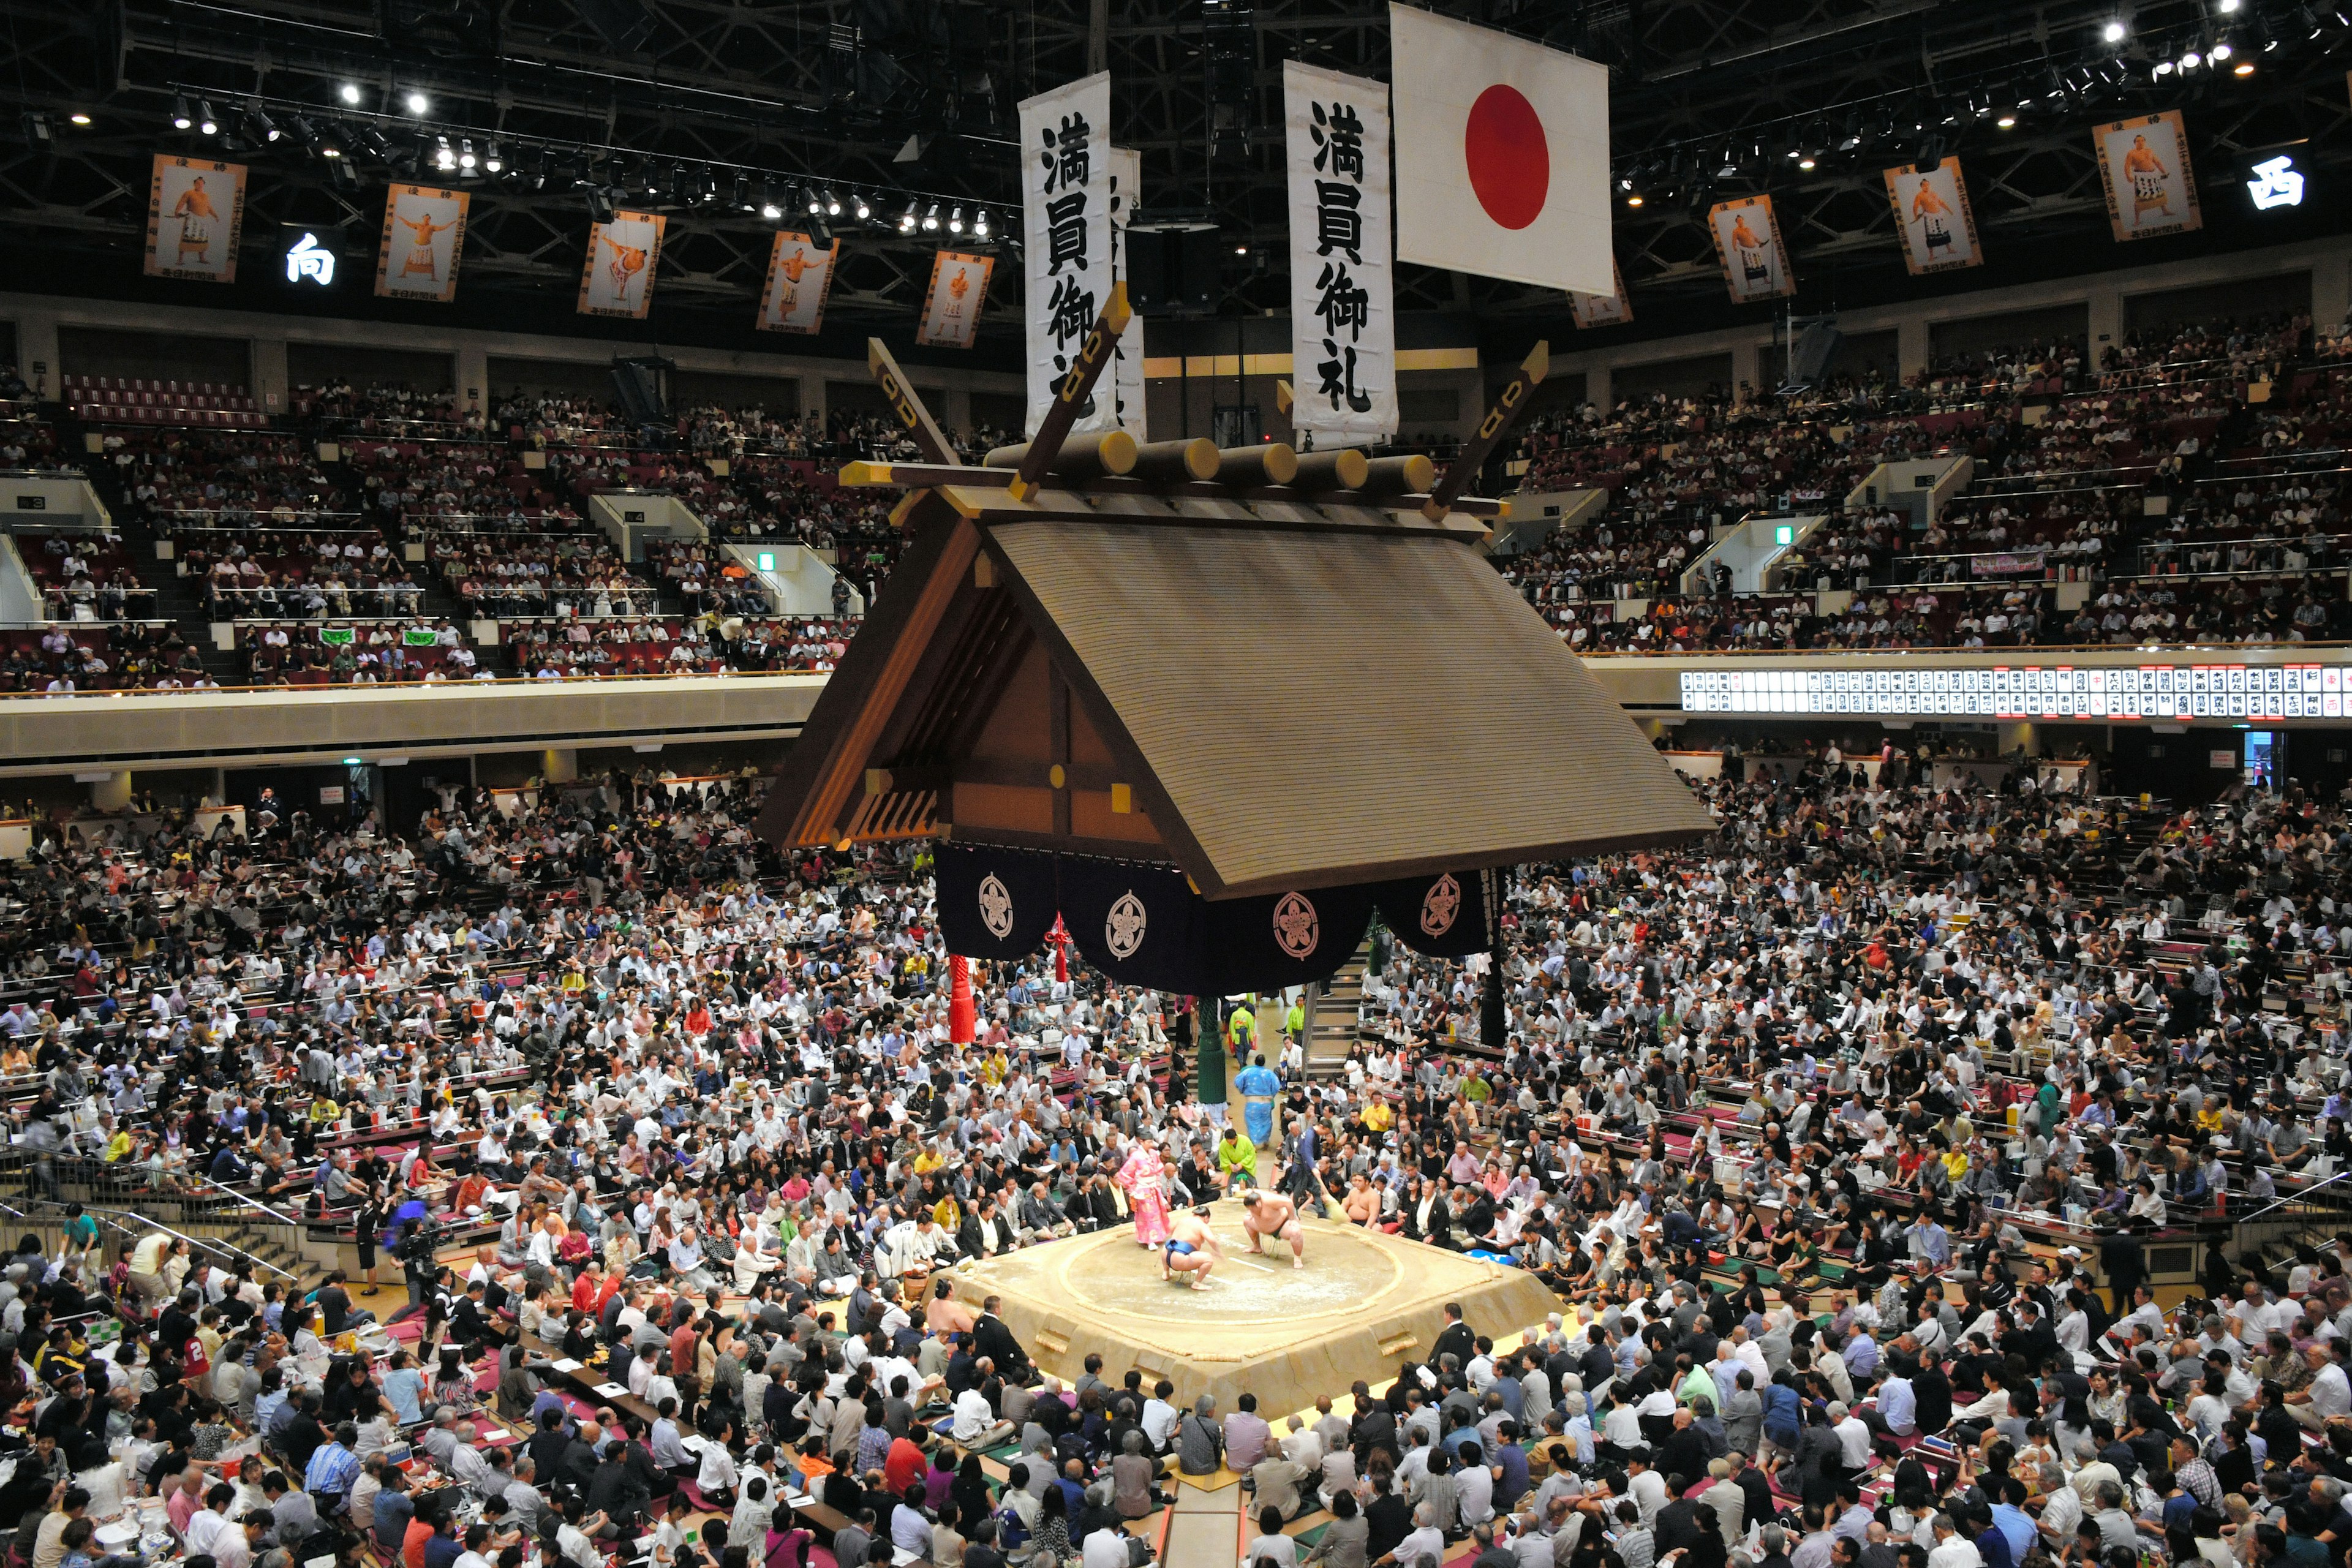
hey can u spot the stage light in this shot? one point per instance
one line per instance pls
(677, 179)
(418, 103)
(1634, 200)
(206, 120)
(491, 160)
(465, 153)
(980, 223)
(2191, 60)
(1806, 162)
(181, 119)
(36, 131)
(256, 125)
(2220, 51)
(832, 204)
(857, 204)
(767, 207)
(2161, 69)
(78, 118)
(351, 93)
(2244, 67)
(2115, 32)
(600, 205)
(443, 158)
(931, 218)
(2227, 7)
(814, 203)
(955, 221)
(743, 191)
(300, 128)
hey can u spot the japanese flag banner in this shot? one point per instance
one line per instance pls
(1502, 153)
(1065, 213)
(1342, 297)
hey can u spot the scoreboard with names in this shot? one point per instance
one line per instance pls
(2031, 691)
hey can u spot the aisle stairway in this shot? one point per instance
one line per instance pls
(1334, 1024)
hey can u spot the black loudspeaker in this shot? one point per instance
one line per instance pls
(623, 24)
(1812, 353)
(1172, 271)
(639, 388)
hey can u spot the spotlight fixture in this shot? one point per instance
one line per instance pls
(256, 125)
(931, 218)
(2161, 69)
(465, 153)
(443, 158)
(491, 160)
(303, 133)
(857, 204)
(907, 219)
(2115, 32)
(2191, 60)
(955, 221)
(980, 223)
(2244, 67)
(1806, 160)
(600, 205)
(351, 93)
(814, 203)
(677, 179)
(2006, 120)
(2227, 7)
(832, 204)
(181, 119)
(78, 118)
(418, 103)
(36, 131)
(206, 120)
(767, 207)
(2220, 51)
(1634, 200)
(742, 191)
(546, 169)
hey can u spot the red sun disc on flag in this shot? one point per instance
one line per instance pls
(1508, 159)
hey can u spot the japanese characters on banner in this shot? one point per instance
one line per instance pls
(1747, 238)
(195, 210)
(1603, 310)
(952, 304)
(800, 275)
(424, 237)
(1931, 209)
(2151, 188)
(617, 277)
(1342, 296)
(1065, 202)
(1127, 359)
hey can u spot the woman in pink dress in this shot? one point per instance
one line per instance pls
(1145, 1180)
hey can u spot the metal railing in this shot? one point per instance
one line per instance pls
(196, 1208)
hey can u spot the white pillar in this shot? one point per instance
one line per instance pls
(1596, 388)
(2107, 306)
(812, 394)
(112, 794)
(558, 765)
(272, 389)
(1912, 346)
(1747, 362)
(36, 351)
(473, 375)
(2331, 291)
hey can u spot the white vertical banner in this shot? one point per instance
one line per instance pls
(1127, 369)
(1065, 212)
(1342, 293)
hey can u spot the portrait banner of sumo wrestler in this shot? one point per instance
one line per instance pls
(1931, 208)
(617, 278)
(2151, 190)
(195, 209)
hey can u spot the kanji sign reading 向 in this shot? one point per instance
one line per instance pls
(1066, 214)
(1342, 313)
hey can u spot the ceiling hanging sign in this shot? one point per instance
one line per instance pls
(1141, 925)
(617, 278)
(1747, 242)
(951, 305)
(1932, 212)
(1342, 290)
(1280, 940)
(424, 239)
(1126, 373)
(1502, 154)
(2151, 190)
(1065, 215)
(800, 277)
(1611, 309)
(195, 216)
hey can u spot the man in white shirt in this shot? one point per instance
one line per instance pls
(2330, 1393)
